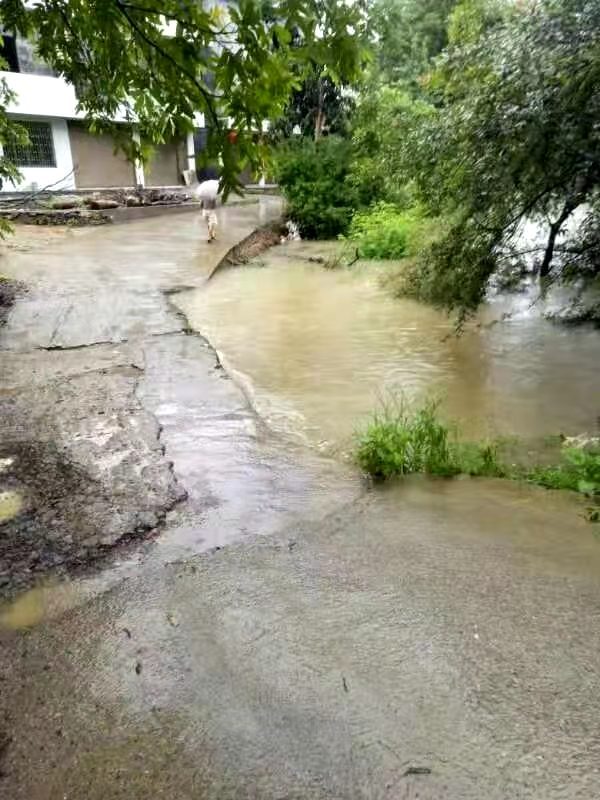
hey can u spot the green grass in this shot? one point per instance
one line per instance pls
(579, 471)
(400, 440)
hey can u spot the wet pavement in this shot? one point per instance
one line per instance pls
(289, 634)
(83, 454)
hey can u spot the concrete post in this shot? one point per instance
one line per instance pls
(265, 129)
(140, 179)
(191, 153)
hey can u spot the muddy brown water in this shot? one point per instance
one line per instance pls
(317, 349)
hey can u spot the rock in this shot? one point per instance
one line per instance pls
(65, 202)
(101, 203)
(133, 200)
(146, 520)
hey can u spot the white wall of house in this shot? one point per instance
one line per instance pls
(49, 99)
(41, 95)
(61, 176)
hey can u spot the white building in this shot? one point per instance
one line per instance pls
(63, 154)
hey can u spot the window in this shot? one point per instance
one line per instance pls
(8, 51)
(40, 150)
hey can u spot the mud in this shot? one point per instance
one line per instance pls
(9, 291)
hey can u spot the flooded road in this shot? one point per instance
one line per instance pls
(316, 348)
(286, 632)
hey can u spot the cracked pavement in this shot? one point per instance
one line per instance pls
(83, 451)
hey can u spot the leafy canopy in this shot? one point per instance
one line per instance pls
(408, 34)
(513, 136)
(159, 62)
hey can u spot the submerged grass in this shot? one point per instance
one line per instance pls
(400, 439)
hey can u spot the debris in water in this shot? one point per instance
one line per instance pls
(345, 684)
(5, 463)
(293, 232)
(138, 667)
(127, 632)
(172, 620)
(417, 771)
(10, 505)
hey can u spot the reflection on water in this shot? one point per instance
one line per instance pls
(46, 601)
(316, 348)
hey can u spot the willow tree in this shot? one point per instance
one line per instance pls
(157, 63)
(513, 136)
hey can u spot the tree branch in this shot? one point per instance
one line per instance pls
(183, 22)
(168, 57)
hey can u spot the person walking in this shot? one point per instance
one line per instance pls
(207, 192)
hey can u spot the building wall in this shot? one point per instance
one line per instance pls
(28, 60)
(60, 176)
(41, 95)
(166, 165)
(95, 161)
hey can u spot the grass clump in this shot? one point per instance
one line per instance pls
(400, 440)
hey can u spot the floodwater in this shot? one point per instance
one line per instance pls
(432, 638)
(317, 349)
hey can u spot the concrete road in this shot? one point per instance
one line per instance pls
(290, 634)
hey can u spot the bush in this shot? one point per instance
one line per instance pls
(312, 176)
(385, 231)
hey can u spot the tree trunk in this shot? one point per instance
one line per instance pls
(555, 229)
(320, 117)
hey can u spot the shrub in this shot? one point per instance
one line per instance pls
(385, 231)
(312, 176)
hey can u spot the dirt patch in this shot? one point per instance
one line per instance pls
(9, 291)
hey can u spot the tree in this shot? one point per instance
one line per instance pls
(381, 126)
(319, 105)
(148, 61)
(11, 135)
(513, 137)
(408, 34)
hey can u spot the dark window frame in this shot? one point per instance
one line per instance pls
(40, 152)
